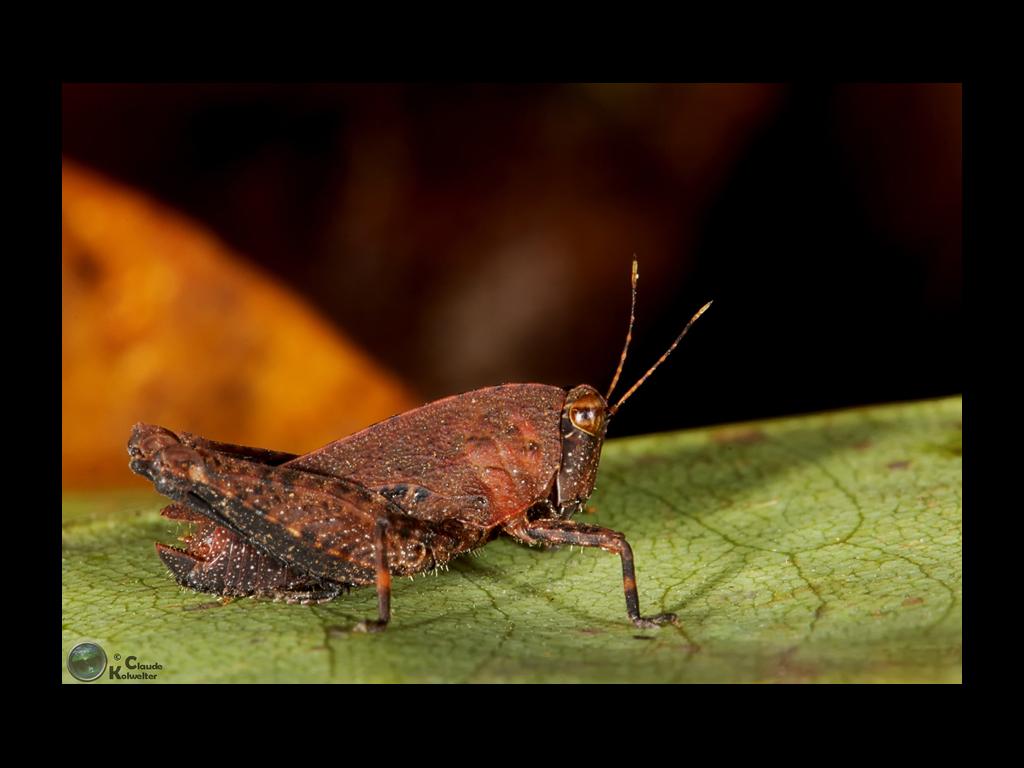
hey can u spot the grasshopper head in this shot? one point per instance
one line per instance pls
(584, 423)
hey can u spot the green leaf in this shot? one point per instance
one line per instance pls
(817, 548)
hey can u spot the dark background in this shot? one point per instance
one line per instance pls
(467, 235)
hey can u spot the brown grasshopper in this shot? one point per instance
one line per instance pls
(401, 497)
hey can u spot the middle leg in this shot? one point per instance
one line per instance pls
(383, 581)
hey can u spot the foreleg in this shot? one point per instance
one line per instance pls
(581, 534)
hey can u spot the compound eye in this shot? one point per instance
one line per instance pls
(587, 418)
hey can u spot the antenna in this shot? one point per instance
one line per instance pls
(661, 359)
(629, 331)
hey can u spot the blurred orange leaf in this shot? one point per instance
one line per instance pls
(163, 323)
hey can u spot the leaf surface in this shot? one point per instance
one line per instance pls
(809, 549)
